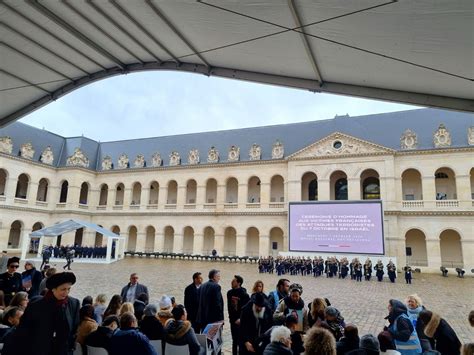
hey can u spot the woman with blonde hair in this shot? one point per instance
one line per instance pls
(316, 311)
(319, 341)
(100, 307)
(126, 307)
(258, 287)
(20, 300)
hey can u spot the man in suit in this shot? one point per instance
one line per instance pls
(191, 300)
(131, 291)
(211, 303)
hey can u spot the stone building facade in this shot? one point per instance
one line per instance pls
(230, 190)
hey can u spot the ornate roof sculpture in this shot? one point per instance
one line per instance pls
(255, 152)
(408, 140)
(123, 161)
(175, 159)
(156, 160)
(278, 150)
(193, 157)
(234, 153)
(139, 161)
(107, 163)
(47, 156)
(27, 151)
(6, 145)
(213, 155)
(78, 158)
(470, 135)
(442, 137)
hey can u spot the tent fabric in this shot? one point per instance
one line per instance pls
(69, 226)
(418, 52)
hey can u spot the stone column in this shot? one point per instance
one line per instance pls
(181, 198)
(241, 245)
(429, 191)
(145, 196)
(265, 193)
(219, 243)
(468, 253)
(4, 234)
(25, 242)
(243, 198)
(178, 242)
(463, 190)
(159, 241)
(108, 255)
(353, 186)
(220, 199)
(73, 194)
(94, 196)
(200, 196)
(141, 240)
(264, 245)
(111, 199)
(32, 193)
(162, 197)
(433, 251)
(198, 243)
(293, 190)
(10, 190)
(127, 197)
(324, 190)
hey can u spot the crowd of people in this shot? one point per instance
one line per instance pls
(40, 317)
(332, 267)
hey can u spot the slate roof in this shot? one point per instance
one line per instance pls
(383, 129)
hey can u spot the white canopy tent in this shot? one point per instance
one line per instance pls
(417, 52)
(72, 225)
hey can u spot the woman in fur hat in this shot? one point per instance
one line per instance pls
(180, 332)
(443, 338)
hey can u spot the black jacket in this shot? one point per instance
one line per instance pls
(248, 324)
(10, 284)
(41, 320)
(100, 338)
(344, 345)
(442, 336)
(277, 349)
(191, 301)
(211, 304)
(152, 328)
(139, 307)
(237, 298)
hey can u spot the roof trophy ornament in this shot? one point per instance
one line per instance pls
(107, 163)
(156, 160)
(234, 153)
(27, 151)
(78, 158)
(470, 135)
(278, 150)
(6, 145)
(408, 140)
(123, 161)
(175, 159)
(213, 155)
(255, 152)
(47, 157)
(139, 161)
(193, 157)
(442, 137)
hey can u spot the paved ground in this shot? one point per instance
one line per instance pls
(364, 304)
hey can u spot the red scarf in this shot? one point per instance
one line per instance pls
(59, 303)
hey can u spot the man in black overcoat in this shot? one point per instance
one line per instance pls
(191, 300)
(211, 303)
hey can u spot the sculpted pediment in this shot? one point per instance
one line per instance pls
(339, 144)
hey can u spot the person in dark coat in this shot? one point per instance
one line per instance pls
(131, 291)
(255, 320)
(100, 338)
(211, 303)
(334, 322)
(46, 256)
(350, 340)
(379, 270)
(280, 342)
(237, 297)
(49, 324)
(10, 281)
(178, 331)
(191, 299)
(402, 330)
(128, 339)
(391, 271)
(31, 279)
(443, 338)
(139, 306)
(151, 326)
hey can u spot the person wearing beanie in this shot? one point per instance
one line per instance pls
(255, 320)
(333, 322)
(48, 325)
(237, 298)
(150, 325)
(131, 291)
(10, 281)
(179, 331)
(293, 304)
(165, 309)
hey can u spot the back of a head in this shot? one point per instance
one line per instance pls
(425, 316)
(101, 298)
(50, 272)
(10, 312)
(212, 273)
(127, 320)
(280, 334)
(86, 311)
(87, 300)
(467, 349)
(370, 344)
(150, 310)
(351, 331)
(385, 341)
(178, 312)
(109, 320)
(319, 341)
(143, 297)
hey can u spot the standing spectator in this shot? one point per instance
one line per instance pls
(46, 255)
(277, 295)
(20, 300)
(87, 323)
(100, 307)
(139, 306)
(443, 337)
(128, 340)
(255, 320)
(237, 297)
(10, 281)
(31, 279)
(3, 262)
(131, 291)
(100, 338)
(334, 322)
(414, 307)
(48, 273)
(408, 275)
(350, 340)
(113, 309)
(48, 325)
(319, 341)
(280, 342)
(293, 304)
(316, 314)
(191, 299)
(402, 330)
(211, 303)
(165, 309)
(69, 258)
(151, 325)
(179, 331)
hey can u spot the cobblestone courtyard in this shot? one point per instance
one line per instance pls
(364, 304)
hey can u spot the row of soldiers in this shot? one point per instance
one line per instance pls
(80, 251)
(332, 267)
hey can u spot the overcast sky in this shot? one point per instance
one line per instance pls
(166, 103)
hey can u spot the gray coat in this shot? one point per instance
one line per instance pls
(140, 289)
